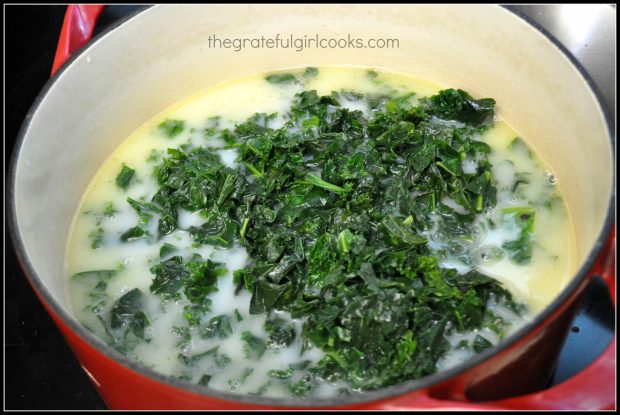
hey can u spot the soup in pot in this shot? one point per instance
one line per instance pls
(315, 232)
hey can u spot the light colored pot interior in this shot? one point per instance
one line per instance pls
(162, 56)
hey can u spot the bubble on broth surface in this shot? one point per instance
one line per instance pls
(489, 254)
(551, 178)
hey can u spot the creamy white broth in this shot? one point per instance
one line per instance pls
(534, 284)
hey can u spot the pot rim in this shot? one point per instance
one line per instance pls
(367, 396)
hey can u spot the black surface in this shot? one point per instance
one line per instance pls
(41, 371)
(591, 332)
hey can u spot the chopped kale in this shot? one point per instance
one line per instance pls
(262, 389)
(154, 155)
(335, 207)
(292, 78)
(236, 383)
(219, 326)
(281, 78)
(480, 343)
(253, 347)
(170, 276)
(166, 249)
(100, 276)
(520, 249)
(171, 128)
(96, 238)
(184, 336)
(311, 72)
(281, 333)
(300, 365)
(196, 278)
(191, 360)
(300, 388)
(458, 105)
(143, 209)
(109, 210)
(134, 234)
(128, 313)
(280, 374)
(126, 323)
(124, 178)
(95, 283)
(204, 380)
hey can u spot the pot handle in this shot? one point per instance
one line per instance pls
(591, 389)
(77, 29)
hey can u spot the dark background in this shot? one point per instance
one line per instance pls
(41, 371)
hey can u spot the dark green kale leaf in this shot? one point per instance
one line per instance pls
(196, 278)
(143, 209)
(216, 230)
(281, 78)
(123, 180)
(96, 238)
(480, 344)
(109, 210)
(280, 374)
(310, 72)
(220, 359)
(290, 78)
(166, 249)
(300, 388)
(520, 249)
(399, 233)
(219, 326)
(99, 278)
(458, 105)
(126, 322)
(253, 347)
(94, 283)
(191, 360)
(171, 128)
(128, 313)
(184, 335)
(170, 277)
(134, 234)
(281, 333)
(202, 279)
(204, 380)
(168, 221)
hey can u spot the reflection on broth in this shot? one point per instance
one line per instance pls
(357, 237)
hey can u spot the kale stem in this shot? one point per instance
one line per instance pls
(315, 180)
(479, 201)
(253, 169)
(243, 227)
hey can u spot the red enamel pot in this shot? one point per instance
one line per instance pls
(158, 56)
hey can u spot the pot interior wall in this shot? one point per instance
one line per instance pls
(162, 56)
